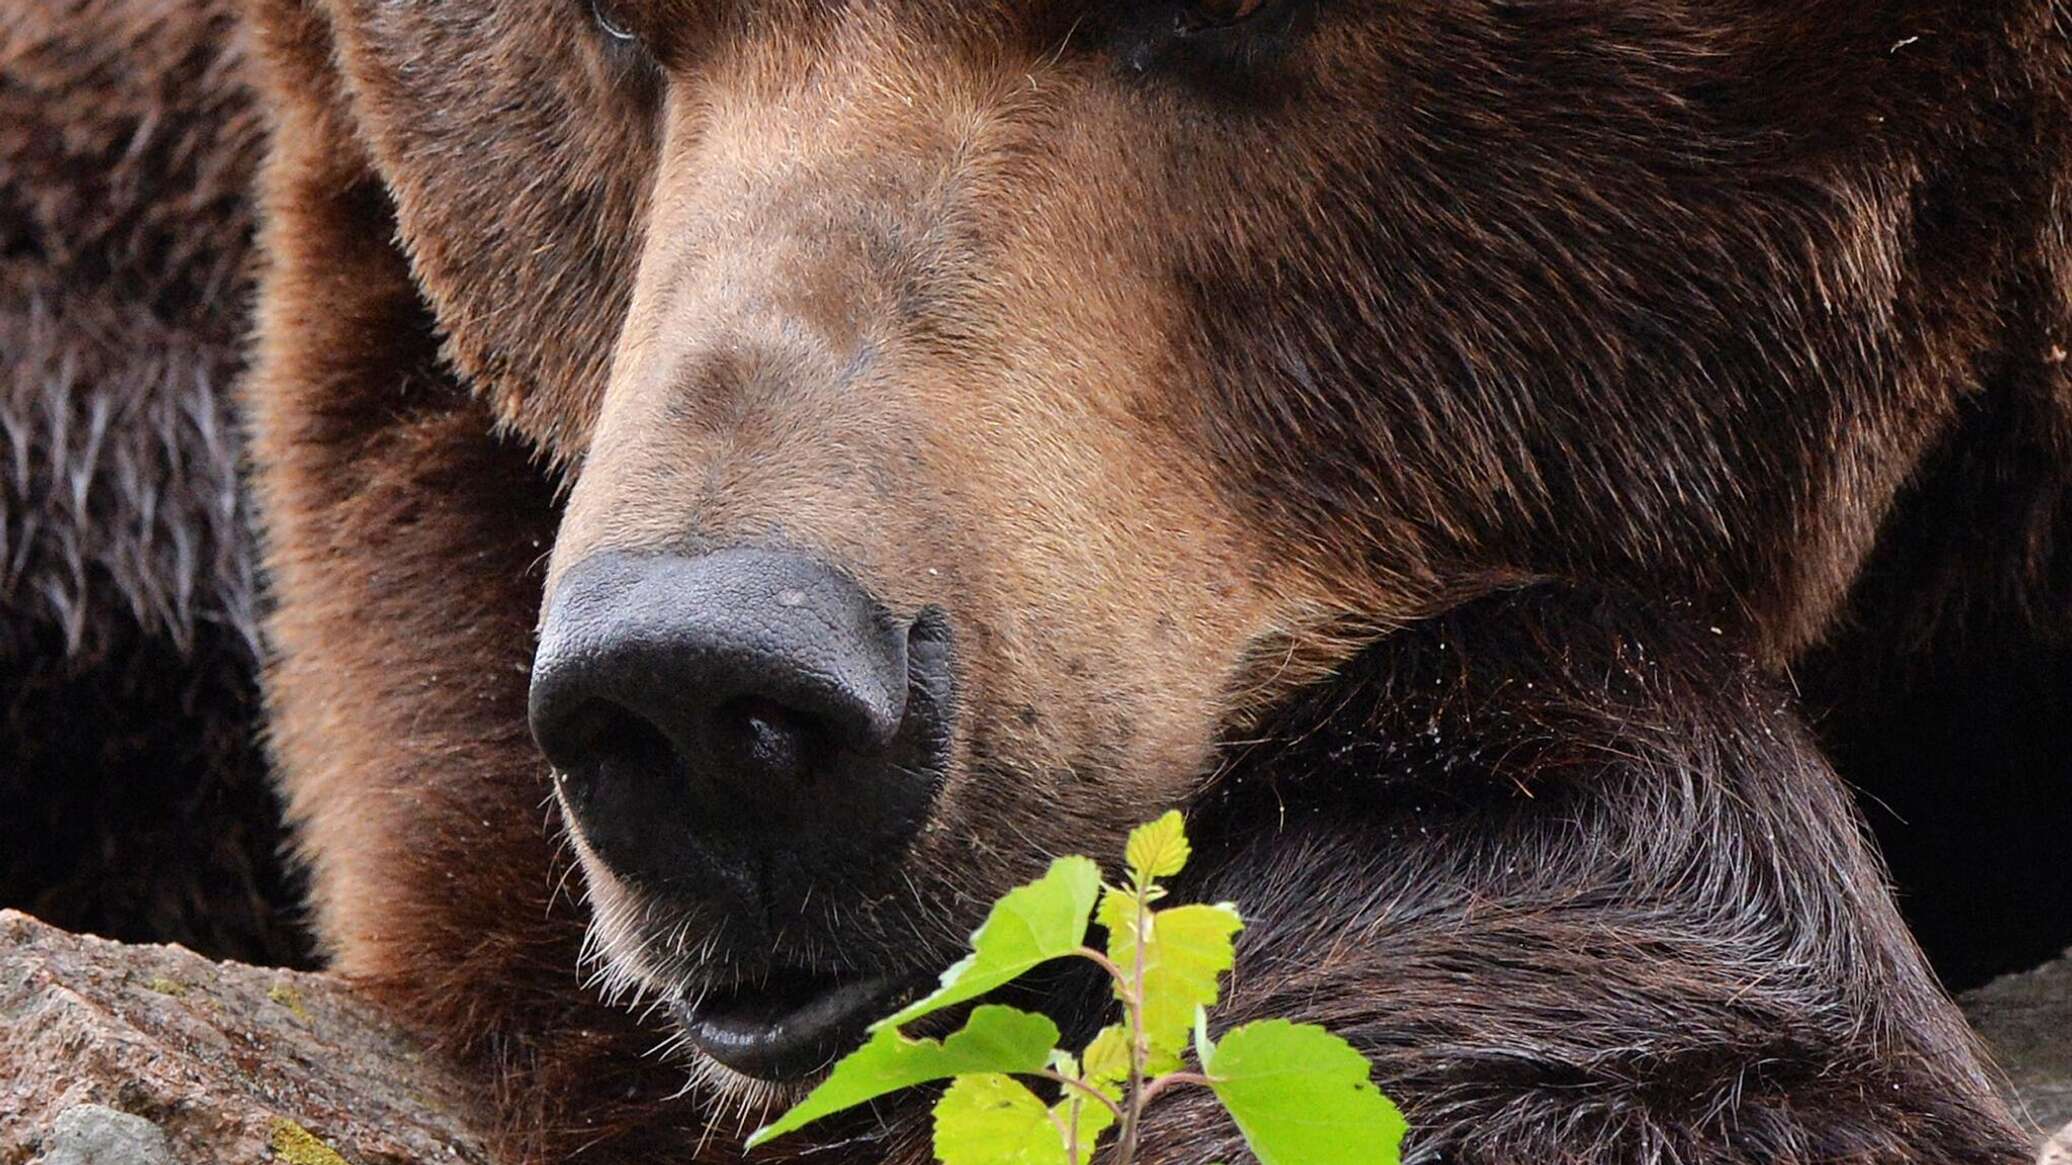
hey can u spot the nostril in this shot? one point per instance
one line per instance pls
(598, 742)
(566, 736)
(618, 776)
(714, 719)
(771, 742)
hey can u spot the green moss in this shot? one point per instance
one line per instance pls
(289, 998)
(298, 1146)
(165, 986)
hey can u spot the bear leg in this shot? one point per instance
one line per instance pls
(1580, 884)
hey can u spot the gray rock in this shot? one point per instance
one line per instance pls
(94, 1134)
(2026, 1019)
(2059, 1150)
(115, 1054)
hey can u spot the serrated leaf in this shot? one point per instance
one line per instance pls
(1188, 950)
(1107, 1058)
(1302, 1096)
(1031, 924)
(991, 1119)
(1157, 849)
(994, 1039)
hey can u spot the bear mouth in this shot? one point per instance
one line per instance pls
(791, 1023)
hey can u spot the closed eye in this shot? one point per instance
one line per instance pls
(1230, 48)
(610, 21)
(1211, 13)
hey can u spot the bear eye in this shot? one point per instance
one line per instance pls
(1233, 48)
(610, 21)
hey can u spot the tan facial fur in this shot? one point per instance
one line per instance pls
(889, 314)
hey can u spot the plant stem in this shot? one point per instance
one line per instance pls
(1070, 1136)
(1172, 1080)
(1126, 1148)
(1122, 981)
(1082, 1086)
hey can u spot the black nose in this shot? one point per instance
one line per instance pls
(746, 722)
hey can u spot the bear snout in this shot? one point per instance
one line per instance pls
(737, 727)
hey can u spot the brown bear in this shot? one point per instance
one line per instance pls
(867, 448)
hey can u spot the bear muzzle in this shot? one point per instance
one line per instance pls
(734, 735)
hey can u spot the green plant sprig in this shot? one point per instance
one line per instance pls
(1298, 1094)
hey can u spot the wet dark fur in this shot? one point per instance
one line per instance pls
(1550, 791)
(132, 793)
(1564, 858)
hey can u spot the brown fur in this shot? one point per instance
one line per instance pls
(1172, 395)
(133, 798)
(1417, 439)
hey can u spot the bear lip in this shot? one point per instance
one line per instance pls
(790, 1025)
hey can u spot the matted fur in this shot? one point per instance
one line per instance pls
(131, 785)
(126, 167)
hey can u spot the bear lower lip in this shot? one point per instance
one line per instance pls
(790, 1025)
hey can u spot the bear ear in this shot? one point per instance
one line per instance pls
(508, 159)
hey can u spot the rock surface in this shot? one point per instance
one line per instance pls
(94, 1134)
(2027, 1020)
(152, 1055)
(2059, 1151)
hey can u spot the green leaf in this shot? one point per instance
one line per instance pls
(1189, 948)
(1157, 849)
(1107, 1058)
(995, 1039)
(1032, 924)
(1302, 1096)
(1095, 1118)
(991, 1119)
